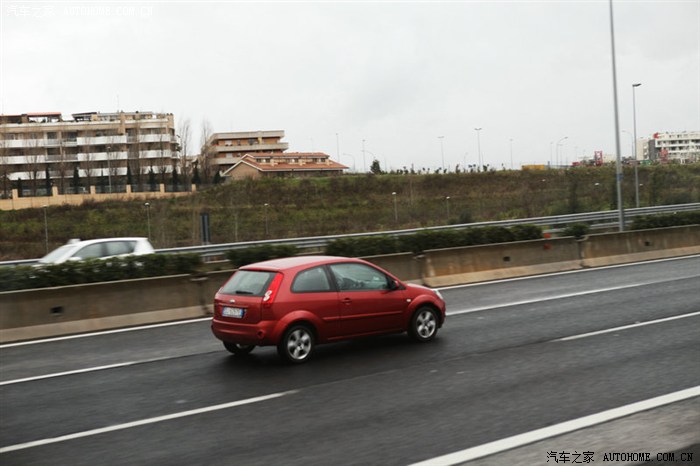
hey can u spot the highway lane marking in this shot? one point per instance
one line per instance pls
(625, 327)
(143, 422)
(81, 371)
(104, 332)
(559, 296)
(192, 321)
(515, 441)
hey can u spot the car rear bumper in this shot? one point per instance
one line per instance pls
(259, 334)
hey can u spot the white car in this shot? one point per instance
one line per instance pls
(76, 250)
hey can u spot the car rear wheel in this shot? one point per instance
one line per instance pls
(235, 348)
(424, 324)
(297, 344)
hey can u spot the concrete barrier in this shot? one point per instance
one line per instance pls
(404, 265)
(444, 267)
(632, 246)
(46, 312)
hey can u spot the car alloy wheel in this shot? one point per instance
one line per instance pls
(424, 324)
(297, 344)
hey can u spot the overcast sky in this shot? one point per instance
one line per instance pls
(396, 74)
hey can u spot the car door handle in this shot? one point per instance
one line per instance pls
(347, 300)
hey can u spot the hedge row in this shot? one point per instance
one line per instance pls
(425, 240)
(376, 245)
(97, 270)
(666, 220)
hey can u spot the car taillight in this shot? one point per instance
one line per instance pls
(271, 292)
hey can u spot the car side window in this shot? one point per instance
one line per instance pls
(90, 251)
(117, 248)
(312, 280)
(358, 277)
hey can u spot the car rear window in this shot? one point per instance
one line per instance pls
(248, 283)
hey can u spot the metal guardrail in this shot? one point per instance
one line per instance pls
(211, 250)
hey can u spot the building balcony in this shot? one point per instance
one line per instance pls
(243, 149)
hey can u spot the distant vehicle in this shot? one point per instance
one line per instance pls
(298, 302)
(76, 250)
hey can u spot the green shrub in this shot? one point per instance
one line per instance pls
(241, 257)
(577, 230)
(666, 220)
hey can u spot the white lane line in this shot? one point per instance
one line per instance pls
(143, 422)
(104, 332)
(60, 374)
(625, 327)
(559, 296)
(515, 441)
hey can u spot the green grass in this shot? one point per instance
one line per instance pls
(346, 204)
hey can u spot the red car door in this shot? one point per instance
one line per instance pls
(368, 304)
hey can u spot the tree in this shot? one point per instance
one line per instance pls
(195, 176)
(184, 129)
(47, 180)
(152, 179)
(206, 152)
(375, 167)
(76, 179)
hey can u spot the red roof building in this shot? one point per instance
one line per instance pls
(285, 164)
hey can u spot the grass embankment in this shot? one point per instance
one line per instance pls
(352, 203)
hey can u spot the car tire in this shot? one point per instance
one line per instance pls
(238, 349)
(424, 324)
(297, 344)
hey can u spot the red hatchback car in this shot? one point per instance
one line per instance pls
(298, 302)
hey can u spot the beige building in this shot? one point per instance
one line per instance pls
(101, 146)
(226, 149)
(287, 164)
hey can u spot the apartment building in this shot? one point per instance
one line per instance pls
(100, 148)
(284, 164)
(680, 147)
(224, 150)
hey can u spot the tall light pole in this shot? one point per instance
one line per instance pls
(478, 145)
(442, 151)
(636, 161)
(511, 153)
(396, 210)
(618, 161)
(558, 143)
(267, 231)
(364, 165)
(447, 202)
(46, 228)
(148, 218)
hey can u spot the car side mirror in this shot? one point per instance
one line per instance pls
(394, 285)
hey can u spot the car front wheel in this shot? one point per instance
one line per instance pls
(297, 344)
(424, 324)
(237, 349)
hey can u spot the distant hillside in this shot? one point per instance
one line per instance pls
(346, 204)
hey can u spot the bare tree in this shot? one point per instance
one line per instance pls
(34, 159)
(133, 140)
(4, 163)
(89, 160)
(184, 128)
(206, 152)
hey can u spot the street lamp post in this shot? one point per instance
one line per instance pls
(267, 231)
(618, 161)
(558, 143)
(442, 152)
(511, 153)
(478, 145)
(636, 161)
(396, 210)
(447, 202)
(148, 218)
(46, 228)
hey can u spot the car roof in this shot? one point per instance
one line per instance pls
(101, 240)
(295, 262)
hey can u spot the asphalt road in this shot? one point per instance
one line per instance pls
(172, 395)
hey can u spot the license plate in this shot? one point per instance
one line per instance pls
(236, 312)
